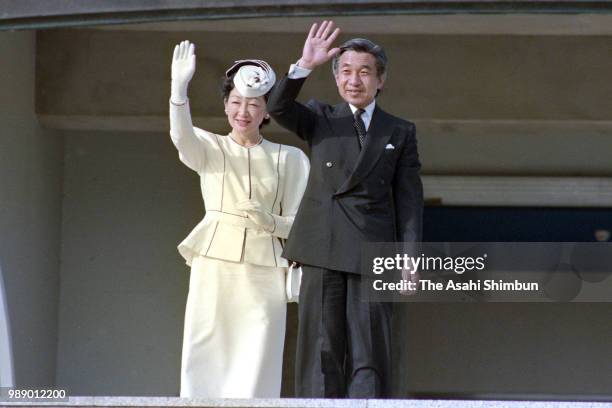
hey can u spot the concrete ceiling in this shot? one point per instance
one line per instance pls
(19, 14)
(451, 24)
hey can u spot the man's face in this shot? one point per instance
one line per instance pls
(357, 79)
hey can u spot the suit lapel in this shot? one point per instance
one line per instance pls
(379, 133)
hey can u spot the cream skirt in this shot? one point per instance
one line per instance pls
(234, 330)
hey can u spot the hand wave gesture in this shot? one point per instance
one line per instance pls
(183, 68)
(317, 46)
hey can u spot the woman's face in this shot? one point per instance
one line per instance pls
(245, 114)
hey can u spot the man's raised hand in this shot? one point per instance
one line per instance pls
(183, 68)
(317, 48)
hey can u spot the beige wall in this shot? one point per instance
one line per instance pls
(30, 194)
(486, 104)
(126, 201)
(129, 201)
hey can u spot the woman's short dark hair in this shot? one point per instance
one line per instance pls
(226, 88)
(364, 45)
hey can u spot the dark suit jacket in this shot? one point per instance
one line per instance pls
(353, 196)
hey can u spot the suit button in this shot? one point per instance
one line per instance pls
(329, 164)
(382, 181)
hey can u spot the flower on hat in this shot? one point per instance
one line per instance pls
(253, 78)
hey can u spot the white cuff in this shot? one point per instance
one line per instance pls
(176, 103)
(297, 72)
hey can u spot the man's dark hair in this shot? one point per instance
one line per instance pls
(226, 87)
(363, 45)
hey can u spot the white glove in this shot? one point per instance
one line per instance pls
(256, 213)
(183, 68)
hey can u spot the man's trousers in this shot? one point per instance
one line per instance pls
(344, 343)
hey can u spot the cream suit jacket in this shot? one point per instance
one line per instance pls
(272, 174)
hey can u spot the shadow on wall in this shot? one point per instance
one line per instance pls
(6, 356)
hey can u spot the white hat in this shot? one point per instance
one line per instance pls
(253, 77)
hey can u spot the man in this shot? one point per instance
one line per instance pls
(364, 186)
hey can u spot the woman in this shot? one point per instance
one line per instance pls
(235, 314)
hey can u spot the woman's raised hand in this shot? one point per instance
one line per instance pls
(318, 43)
(183, 68)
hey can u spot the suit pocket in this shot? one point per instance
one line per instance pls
(390, 155)
(374, 208)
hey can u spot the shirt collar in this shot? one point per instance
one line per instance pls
(368, 109)
(366, 117)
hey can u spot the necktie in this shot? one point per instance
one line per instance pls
(359, 126)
